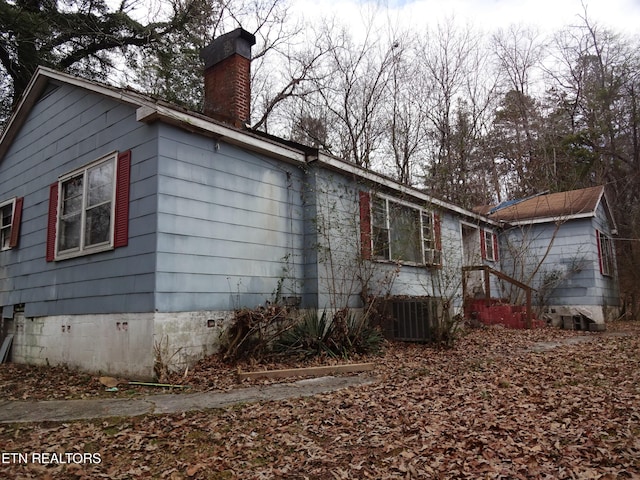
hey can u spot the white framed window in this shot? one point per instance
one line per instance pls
(489, 245)
(605, 251)
(431, 238)
(86, 208)
(6, 223)
(404, 233)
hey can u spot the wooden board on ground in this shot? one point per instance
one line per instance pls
(307, 371)
(6, 345)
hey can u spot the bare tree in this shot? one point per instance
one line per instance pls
(455, 63)
(514, 138)
(590, 79)
(407, 111)
(519, 53)
(353, 91)
(285, 74)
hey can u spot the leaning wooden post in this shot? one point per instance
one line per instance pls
(487, 285)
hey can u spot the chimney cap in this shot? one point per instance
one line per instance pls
(238, 41)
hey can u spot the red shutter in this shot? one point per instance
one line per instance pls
(599, 251)
(437, 231)
(365, 225)
(15, 223)
(495, 247)
(483, 245)
(52, 222)
(121, 225)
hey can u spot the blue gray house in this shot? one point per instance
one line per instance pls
(132, 229)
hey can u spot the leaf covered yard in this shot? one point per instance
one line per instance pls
(501, 404)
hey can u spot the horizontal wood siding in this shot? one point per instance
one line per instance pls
(572, 259)
(310, 253)
(65, 130)
(229, 225)
(337, 241)
(338, 252)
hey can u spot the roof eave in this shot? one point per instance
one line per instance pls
(36, 86)
(341, 166)
(147, 111)
(150, 112)
(557, 219)
(608, 211)
(18, 116)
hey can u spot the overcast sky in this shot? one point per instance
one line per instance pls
(620, 15)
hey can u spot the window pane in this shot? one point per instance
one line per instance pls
(100, 184)
(381, 243)
(5, 234)
(379, 212)
(72, 196)
(405, 233)
(69, 236)
(427, 232)
(97, 224)
(6, 216)
(488, 245)
(379, 228)
(5, 225)
(607, 255)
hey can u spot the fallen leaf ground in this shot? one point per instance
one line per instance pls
(500, 404)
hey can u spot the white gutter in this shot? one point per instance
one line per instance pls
(559, 219)
(150, 112)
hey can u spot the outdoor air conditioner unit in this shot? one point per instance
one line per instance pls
(415, 318)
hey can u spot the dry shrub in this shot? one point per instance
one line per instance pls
(252, 332)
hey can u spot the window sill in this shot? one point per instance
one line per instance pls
(405, 263)
(84, 253)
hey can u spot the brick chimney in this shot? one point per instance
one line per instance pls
(227, 77)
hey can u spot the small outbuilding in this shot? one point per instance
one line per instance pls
(562, 245)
